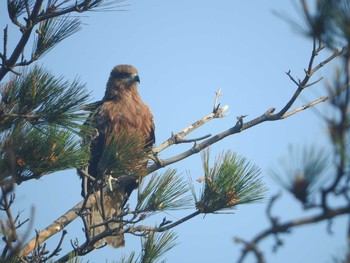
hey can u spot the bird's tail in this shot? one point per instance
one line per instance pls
(98, 221)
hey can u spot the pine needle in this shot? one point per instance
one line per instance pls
(124, 155)
(42, 99)
(164, 192)
(51, 32)
(27, 152)
(232, 181)
(156, 245)
(17, 8)
(302, 171)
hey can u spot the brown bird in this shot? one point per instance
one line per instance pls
(120, 115)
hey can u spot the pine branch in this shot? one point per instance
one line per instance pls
(127, 150)
(39, 118)
(51, 32)
(130, 259)
(232, 181)
(163, 192)
(33, 13)
(16, 8)
(8, 65)
(156, 245)
(40, 98)
(301, 85)
(302, 172)
(9, 227)
(29, 153)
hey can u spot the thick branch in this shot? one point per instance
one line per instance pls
(57, 226)
(269, 115)
(132, 230)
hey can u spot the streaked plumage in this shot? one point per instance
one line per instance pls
(121, 111)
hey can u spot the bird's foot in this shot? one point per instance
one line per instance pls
(110, 179)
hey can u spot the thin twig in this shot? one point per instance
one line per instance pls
(253, 247)
(181, 140)
(218, 94)
(240, 126)
(284, 227)
(311, 104)
(58, 247)
(272, 201)
(4, 54)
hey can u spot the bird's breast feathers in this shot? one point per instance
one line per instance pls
(126, 116)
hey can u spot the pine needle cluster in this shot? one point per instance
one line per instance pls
(40, 98)
(128, 152)
(156, 245)
(302, 172)
(232, 181)
(167, 191)
(51, 32)
(329, 22)
(39, 119)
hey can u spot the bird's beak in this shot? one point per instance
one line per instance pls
(136, 78)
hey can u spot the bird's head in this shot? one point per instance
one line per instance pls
(122, 77)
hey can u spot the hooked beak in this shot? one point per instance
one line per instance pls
(135, 78)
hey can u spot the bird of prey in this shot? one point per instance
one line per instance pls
(120, 114)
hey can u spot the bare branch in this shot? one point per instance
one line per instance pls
(189, 129)
(272, 201)
(11, 235)
(3, 55)
(34, 17)
(301, 85)
(58, 248)
(240, 126)
(283, 228)
(313, 103)
(57, 226)
(178, 222)
(216, 102)
(253, 247)
(181, 140)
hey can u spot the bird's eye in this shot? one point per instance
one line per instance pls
(121, 75)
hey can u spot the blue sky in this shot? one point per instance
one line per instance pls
(185, 50)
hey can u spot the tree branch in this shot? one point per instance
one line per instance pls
(283, 228)
(172, 140)
(240, 126)
(315, 102)
(35, 17)
(58, 225)
(301, 85)
(253, 247)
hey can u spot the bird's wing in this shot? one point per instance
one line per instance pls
(93, 139)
